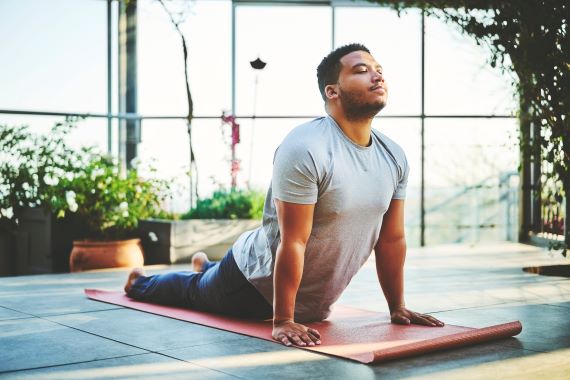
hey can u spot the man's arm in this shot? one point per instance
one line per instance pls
(295, 224)
(390, 252)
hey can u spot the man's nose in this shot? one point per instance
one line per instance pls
(377, 77)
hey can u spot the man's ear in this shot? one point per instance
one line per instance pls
(331, 91)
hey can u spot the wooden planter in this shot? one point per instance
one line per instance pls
(44, 241)
(175, 241)
(7, 253)
(89, 254)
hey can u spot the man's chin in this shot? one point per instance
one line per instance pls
(381, 105)
(367, 111)
(374, 109)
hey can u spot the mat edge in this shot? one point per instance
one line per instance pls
(463, 339)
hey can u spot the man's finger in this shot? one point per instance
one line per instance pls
(423, 320)
(285, 341)
(314, 332)
(314, 338)
(296, 340)
(433, 319)
(400, 319)
(307, 340)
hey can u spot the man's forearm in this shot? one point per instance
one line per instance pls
(286, 279)
(390, 258)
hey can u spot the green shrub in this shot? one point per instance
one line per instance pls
(79, 184)
(109, 204)
(237, 204)
(31, 163)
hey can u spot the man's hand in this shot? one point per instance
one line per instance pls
(289, 333)
(403, 316)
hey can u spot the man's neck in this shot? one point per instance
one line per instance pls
(358, 131)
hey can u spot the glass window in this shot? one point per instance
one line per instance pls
(260, 139)
(470, 164)
(292, 40)
(395, 43)
(54, 55)
(459, 80)
(88, 132)
(168, 152)
(207, 30)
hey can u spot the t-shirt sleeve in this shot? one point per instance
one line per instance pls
(400, 192)
(295, 176)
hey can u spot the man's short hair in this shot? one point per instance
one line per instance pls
(329, 68)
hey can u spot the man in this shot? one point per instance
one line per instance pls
(336, 194)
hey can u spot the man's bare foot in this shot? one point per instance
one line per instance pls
(133, 276)
(198, 261)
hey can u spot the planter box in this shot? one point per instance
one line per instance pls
(44, 242)
(175, 241)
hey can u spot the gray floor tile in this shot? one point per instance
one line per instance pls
(11, 314)
(145, 366)
(48, 282)
(32, 343)
(38, 302)
(554, 292)
(434, 364)
(529, 365)
(561, 304)
(145, 330)
(545, 327)
(253, 358)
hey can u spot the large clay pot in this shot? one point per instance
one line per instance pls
(90, 254)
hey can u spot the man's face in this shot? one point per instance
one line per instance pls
(361, 86)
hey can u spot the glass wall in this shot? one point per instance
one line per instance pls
(470, 165)
(292, 41)
(55, 59)
(458, 77)
(395, 42)
(54, 55)
(161, 83)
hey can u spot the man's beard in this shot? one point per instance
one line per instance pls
(355, 109)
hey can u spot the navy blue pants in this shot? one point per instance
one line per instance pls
(221, 288)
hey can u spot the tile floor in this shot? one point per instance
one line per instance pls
(50, 330)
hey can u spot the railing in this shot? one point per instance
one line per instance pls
(485, 211)
(549, 231)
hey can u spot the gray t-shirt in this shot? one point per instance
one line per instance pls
(351, 187)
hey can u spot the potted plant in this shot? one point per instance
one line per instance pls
(212, 226)
(109, 206)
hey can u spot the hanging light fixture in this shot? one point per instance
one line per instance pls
(258, 64)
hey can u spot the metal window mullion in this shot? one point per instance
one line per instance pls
(121, 88)
(422, 118)
(333, 26)
(233, 58)
(109, 81)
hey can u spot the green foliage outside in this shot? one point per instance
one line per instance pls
(107, 203)
(238, 204)
(30, 164)
(80, 184)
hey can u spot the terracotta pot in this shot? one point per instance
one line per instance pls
(89, 254)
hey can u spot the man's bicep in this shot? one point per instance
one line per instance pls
(393, 223)
(295, 220)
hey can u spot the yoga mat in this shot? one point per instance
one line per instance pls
(361, 335)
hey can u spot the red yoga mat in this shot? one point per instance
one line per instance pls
(361, 335)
